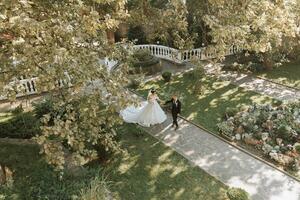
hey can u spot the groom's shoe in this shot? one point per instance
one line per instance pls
(176, 128)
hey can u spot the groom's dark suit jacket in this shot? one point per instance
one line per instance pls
(176, 106)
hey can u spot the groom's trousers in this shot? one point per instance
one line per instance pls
(174, 116)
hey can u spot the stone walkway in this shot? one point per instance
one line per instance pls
(227, 163)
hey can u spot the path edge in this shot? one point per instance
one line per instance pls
(227, 142)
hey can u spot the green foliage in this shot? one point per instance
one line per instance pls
(64, 40)
(145, 160)
(256, 67)
(43, 108)
(17, 110)
(143, 58)
(96, 190)
(23, 125)
(269, 128)
(166, 76)
(136, 33)
(286, 74)
(134, 83)
(170, 28)
(33, 178)
(230, 112)
(225, 129)
(260, 26)
(237, 194)
(197, 73)
(85, 137)
(284, 132)
(298, 148)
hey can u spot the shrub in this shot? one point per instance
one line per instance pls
(167, 76)
(298, 148)
(230, 112)
(237, 194)
(284, 132)
(255, 67)
(143, 58)
(134, 83)
(23, 125)
(97, 190)
(17, 110)
(42, 108)
(225, 128)
(137, 33)
(277, 127)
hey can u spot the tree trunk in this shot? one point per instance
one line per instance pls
(2, 174)
(110, 36)
(267, 61)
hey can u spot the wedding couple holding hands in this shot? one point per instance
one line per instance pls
(150, 112)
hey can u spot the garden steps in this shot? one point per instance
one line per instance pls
(227, 163)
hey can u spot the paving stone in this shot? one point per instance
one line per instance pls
(230, 165)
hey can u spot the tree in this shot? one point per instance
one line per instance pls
(163, 21)
(259, 26)
(50, 39)
(197, 9)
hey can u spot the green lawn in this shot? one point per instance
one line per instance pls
(208, 108)
(287, 74)
(33, 178)
(148, 170)
(4, 116)
(153, 171)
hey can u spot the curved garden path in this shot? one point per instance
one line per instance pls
(227, 163)
(219, 158)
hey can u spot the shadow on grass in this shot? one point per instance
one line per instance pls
(33, 178)
(150, 170)
(209, 107)
(288, 74)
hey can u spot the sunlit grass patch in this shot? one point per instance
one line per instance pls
(287, 74)
(153, 171)
(5, 116)
(207, 108)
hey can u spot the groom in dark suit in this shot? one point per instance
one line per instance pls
(176, 109)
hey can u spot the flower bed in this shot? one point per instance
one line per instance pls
(273, 130)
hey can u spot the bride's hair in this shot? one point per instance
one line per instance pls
(152, 91)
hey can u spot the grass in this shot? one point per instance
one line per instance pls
(33, 178)
(150, 170)
(208, 108)
(5, 116)
(146, 170)
(287, 74)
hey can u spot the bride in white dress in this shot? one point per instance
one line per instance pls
(149, 113)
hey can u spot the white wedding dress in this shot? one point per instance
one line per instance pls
(149, 113)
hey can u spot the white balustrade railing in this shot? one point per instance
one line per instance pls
(181, 56)
(160, 51)
(29, 86)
